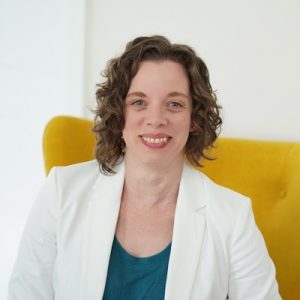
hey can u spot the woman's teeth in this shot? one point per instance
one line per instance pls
(155, 140)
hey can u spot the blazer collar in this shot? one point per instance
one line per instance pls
(103, 211)
(189, 225)
(188, 233)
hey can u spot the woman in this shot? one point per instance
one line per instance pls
(147, 225)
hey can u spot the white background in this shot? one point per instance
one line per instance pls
(52, 52)
(41, 75)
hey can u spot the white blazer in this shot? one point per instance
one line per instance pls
(217, 249)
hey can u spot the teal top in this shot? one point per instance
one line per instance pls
(136, 278)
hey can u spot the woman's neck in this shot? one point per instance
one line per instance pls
(149, 185)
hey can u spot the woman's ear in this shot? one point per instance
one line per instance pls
(192, 128)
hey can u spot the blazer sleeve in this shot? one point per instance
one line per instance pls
(32, 276)
(252, 272)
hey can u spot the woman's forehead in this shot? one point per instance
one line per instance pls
(162, 75)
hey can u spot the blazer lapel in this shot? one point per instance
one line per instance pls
(101, 224)
(188, 232)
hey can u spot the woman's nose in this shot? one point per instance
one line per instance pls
(156, 117)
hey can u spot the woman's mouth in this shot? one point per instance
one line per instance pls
(155, 142)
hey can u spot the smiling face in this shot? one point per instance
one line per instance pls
(157, 114)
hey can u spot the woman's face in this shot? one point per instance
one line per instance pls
(158, 113)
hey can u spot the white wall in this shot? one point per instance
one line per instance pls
(41, 75)
(252, 49)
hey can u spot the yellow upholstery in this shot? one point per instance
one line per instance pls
(268, 172)
(67, 140)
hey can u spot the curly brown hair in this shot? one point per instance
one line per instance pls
(109, 114)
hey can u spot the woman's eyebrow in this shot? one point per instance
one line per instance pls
(175, 94)
(138, 94)
(171, 94)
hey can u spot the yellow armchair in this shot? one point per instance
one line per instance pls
(67, 140)
(268, 172)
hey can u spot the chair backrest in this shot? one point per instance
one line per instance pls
(67, 140)
(268, 172)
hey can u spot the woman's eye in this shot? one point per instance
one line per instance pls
(138, 102)
(175, 105)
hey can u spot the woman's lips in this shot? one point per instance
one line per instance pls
(155, 141)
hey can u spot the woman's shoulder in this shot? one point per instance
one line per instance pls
(72, 171)
(225, 194)
(75, 176)
(219, 197)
